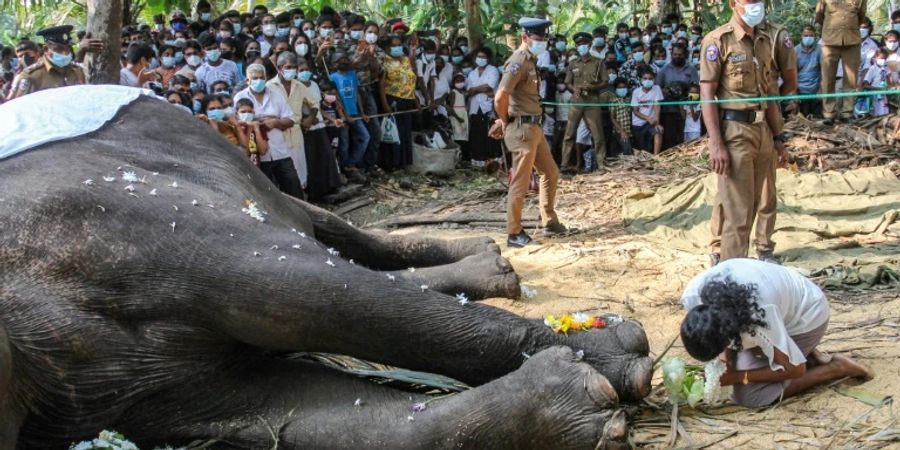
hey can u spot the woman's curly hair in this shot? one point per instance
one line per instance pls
(727, 309)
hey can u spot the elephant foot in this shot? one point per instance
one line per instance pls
(480, 276)
(473, 246)
(620, 352)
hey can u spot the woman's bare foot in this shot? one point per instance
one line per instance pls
(817, 358)
(852, 368)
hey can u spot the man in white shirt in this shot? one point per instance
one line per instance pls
(215, 68)
(271, 108)
(767, 321)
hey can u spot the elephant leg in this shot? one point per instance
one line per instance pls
(481, 276)
(552, 401)
(382, 251)
(10, 419)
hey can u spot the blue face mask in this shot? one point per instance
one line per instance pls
(896, 27)
(647, 84)
(258, 85)
(60, 60)
(659, 62)
(168, 61)
(561, 46)
(197, 105)
(237, 28)
(205, 16)
(613, 77)
(599, 42)
(633, 40)
(583, 49)
(356, 34)
(621, 92)
(481, 62)
(216, 114)
(467, 71)
(464, 49)
(213, 55)
(298, 22)
(457, 59)
(396, 52)
(808, 41)
(14, 63)
(304, 76)
(282, 32)
(289, 74)
(667, 30)
(538, 48)
(179, 57)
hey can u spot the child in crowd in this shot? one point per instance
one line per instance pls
(332, 112)
(620, 116)
(880, 77)
(691, 115)
(645, 116)
(257, 140)
(563, 95)
(213, 113)
(459, 117)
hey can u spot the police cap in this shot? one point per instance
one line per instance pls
(536, 27)
(56, 35)
(583, 37)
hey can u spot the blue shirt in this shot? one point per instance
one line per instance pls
(348, 88)
(809, 73)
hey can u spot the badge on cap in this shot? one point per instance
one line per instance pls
(712, 53)
(788, 42)
(514, 68)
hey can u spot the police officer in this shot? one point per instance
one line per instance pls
(585, 78)
(737, 63)
(55, 68)
(518, 107)
(840, 21)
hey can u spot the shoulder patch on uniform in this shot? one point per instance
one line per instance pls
(514, 68)
(788, 42)
(712, 52)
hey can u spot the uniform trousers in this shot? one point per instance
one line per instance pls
(529, 151)
(832, 55)
(593, 117)
(747, 193)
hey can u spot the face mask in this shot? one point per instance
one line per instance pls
(457, 59)
(178, 26)
(213, 55)
(460, 86)
(60, 60)
(695, 61)
(282, 32)
(205, 16)
(881, 62)
(623, 35)
(599, 42)
(896, 27)
(194, 86)
(646, 39)
(356, 34)
(396, 52)
(237, 27)
(330, 98)
(639, 56)
(179, 57)
(538, 47)
(180, 42)
(224, 34)
(891, 45)
(695, 37)
(304, 76)
(561, 87)
(464, 49)
(229, 111)
(216, 114)
(583, 49)
(467, 71)
(196, 106)
(446, 58)
(429, 57)
(647, 84)
(13, 63)
(297, 23)
(754, 13)
(808, 41)
(325, 32)
(621, 92)
(302, 49)
(681, 34)
(168, 61)
(481, 62)
(633, 40)
(251, 55)
(678, 62)
(667, 30)
(268, 29)
(371, 38)
(258, 85)
(310, 33)
(659, 62)
(289, 74)
(561, 46)
(613, 77)
(245, 117)
(665, 43)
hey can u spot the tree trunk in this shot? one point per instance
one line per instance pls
(659, 9)
(105, 23)
(540, 9)
(473, 23)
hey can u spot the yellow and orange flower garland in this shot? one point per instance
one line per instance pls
(574, 322)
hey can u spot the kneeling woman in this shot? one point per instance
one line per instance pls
(766, 321)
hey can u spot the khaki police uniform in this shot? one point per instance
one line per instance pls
(840, 21)
(526, 142)
(44, 75)
(583, 75)
(785, 59)
(741, 65)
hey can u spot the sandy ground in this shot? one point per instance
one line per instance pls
(606, 269)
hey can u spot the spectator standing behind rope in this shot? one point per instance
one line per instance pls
(675, 78)
(518, 106)
(736, 65)
(809, 71)
(585, 78)
(840, 21)
(286, 82)
(398, 87)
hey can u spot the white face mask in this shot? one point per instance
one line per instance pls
(891, 45)
(269, 29)
(754, 13)
(371, 38)
(301, 49)
(460, 86)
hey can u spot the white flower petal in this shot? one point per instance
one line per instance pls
(88, 182)
(129, 177)
(329, 262)
(153, 191)
(109, 179)
(282, 258)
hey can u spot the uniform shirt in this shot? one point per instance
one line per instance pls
(521, 80)
(793, 305)
(809, 70)
(641, 98)
(584, 72)
(227, 71)
(482, 102)
(741, 65)
(44, 75)
(841, 22)
(273, 104)
(783, 47)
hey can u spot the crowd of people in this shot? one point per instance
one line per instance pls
(308, 94)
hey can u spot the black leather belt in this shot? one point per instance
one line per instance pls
(749, 116)
(526, 120)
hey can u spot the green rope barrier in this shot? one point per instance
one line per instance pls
(743, 100)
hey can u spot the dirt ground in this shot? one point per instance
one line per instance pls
(604, 268)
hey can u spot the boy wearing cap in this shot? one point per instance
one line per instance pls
(55, 68)
(518, 106)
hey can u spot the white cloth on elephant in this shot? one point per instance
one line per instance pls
(294, 134)
(55, 114)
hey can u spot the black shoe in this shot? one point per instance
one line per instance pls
(768, 256)
(828, 122)
(555, 229)
(518, 240)
(714, 259)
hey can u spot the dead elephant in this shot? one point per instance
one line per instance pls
(153, 282)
